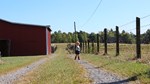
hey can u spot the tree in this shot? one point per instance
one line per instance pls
(92, 37)
(146, 37)
(69, 36)
(59, 37)
(111, 36)
(85, 36)
(53, 38)
(64, 38)
(127, 37)
(82, 36)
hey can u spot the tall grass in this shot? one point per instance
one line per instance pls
(13, 63)
(59, 69)
(127, 51)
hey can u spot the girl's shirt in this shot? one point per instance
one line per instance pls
(78, 48)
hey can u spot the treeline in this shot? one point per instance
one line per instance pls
(82, 36)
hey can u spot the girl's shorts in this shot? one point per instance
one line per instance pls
(77, 52)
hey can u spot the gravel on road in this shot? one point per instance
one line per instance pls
(10, 77)
(101, 76)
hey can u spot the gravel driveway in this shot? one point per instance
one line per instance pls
(100, 76)
(9, 78)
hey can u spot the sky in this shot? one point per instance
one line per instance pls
(61, 14)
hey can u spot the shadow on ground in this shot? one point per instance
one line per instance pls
(133, 78)
(122, 81)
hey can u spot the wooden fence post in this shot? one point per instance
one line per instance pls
(88, 46)
(85, 46)
(81, 44)
(92, 46)
(105, 41)
(138, 41)
(98, 43)
(117, 40)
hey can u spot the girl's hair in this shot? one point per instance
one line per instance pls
(77, 43)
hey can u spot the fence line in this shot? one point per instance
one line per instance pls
(137, 50)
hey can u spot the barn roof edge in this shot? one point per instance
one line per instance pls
(46, 26)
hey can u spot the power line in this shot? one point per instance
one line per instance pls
(134, 21)
(145, 16)
(131, 29)
(145, 25)
(127, 23)
(142, 27)
(92, 14)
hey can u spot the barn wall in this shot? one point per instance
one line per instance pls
(25, 39)
(49, 41)
(32, 40)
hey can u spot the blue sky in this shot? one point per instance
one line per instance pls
(61, 14)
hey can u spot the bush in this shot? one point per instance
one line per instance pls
(53, 48)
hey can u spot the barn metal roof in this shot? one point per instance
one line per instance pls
(45, 26)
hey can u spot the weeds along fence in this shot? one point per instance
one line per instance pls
(137, 50)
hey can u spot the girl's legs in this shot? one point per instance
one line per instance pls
(75, 57)
(78, 57)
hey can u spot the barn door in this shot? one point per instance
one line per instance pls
(5, 47)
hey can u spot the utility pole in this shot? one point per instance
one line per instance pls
(75, 31)
(75, 36)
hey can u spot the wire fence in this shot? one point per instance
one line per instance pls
(138, 50)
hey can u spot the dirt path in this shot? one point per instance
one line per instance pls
(100, 76)
(9, 78)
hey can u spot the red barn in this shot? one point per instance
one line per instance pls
(24, 39)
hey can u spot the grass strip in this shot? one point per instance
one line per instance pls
(59, 69)
(13, 63)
